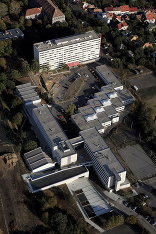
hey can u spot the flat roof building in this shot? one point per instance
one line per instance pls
(81, 48)
(28, 94)
(11, 34)
(108, 77)
(107, 167)
(37, 160)
(49, 180)
(50, 132)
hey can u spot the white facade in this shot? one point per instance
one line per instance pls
(107, 167)
(81, 48)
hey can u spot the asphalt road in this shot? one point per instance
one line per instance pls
(141, 219)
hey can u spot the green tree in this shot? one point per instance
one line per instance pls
(2, 87)
(29, 145)
(35, 66)
(114, 221)
(16, 101)
(24, 67)
(14, 74)
(71, 109)
(3, 9)
(48, 200)
(117, 63)
(5, 48)
(3, 63)
(17, 118)
(2, 25)
(10, 84)
(28, 23)
(59, 222)
(131, 219)
(14, 7)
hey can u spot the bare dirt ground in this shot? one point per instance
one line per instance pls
(14, 210)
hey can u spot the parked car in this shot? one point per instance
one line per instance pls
(135, 87)
(135, 71)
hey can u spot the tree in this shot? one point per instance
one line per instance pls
(117, 63)
(29, 145)
(145, 117)
(131, 219)
(16, 101)
(3, 63)
(14, 7)
(114, 221)
(2, 25)
(10, 84)
(48, 200)
(5, 48)
(71, 109)
(59, 222)
(14, 74)
(17, 118)
(2, 87)
(35, 66)
(24, 67)
(3, 9)
(28, 23)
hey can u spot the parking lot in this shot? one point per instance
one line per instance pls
(77, 87)
(138, 161)
(144, 81)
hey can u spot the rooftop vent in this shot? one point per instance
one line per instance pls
(64, 147)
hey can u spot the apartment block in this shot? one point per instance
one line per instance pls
(82, 48)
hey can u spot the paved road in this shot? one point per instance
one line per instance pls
(126, 210)
(141, 219)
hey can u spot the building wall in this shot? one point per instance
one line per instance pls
(80, 52)
(35, 16)
(86, 174)
(58, 19)
(68, 160)
(99, 169)
(43, 168)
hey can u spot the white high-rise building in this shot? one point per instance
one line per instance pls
(77, 49)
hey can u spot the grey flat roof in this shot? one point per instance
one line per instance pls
(108, 159)
(125, 95)
(37, 158)
(11, 33)
(101, 151)
(110, 110)
(93, 140)
(27, 92)
(94, 101)
(56, 43)
(116, 102)
(56, 177)
(52, 129)
(108, 75)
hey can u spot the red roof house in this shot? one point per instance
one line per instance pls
(33, 13)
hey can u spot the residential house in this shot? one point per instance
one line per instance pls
(107, 17)
(53, 13)
(122, 10)
(33, 13)
(150, 17)
(122, 26)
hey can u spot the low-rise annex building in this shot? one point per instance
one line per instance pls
(37, 160)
